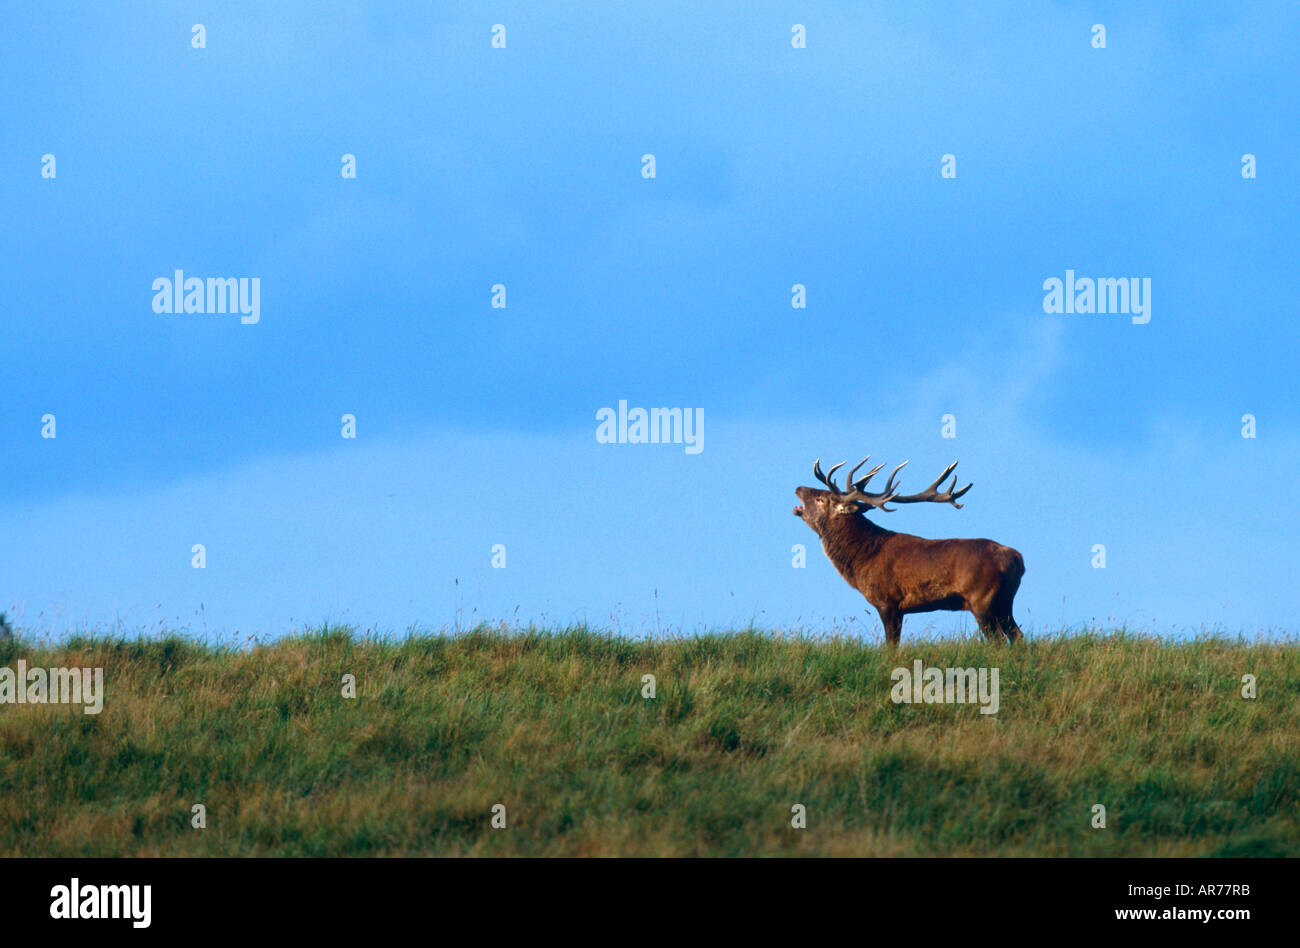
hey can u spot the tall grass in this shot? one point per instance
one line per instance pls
(553, 725)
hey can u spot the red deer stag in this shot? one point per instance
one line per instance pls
(899, 573)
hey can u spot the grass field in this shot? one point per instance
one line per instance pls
(743, 726)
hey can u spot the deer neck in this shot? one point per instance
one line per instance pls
(849, 541)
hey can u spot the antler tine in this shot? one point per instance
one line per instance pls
(861, 483)
(830, 477)
(890, 486)
(954, 496)
(817, 471)
(827, 478)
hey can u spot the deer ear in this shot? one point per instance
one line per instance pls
(847, 508)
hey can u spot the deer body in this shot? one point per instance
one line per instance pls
(898, 573)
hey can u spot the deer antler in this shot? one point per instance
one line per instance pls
(932, 493)
(858, 494)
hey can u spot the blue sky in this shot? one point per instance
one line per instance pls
(522, 166)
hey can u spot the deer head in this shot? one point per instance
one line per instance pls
(817, 506)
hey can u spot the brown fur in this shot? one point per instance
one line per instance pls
(900, 574)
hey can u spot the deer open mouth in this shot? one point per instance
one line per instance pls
(798, 510)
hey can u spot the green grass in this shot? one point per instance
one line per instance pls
(744, 725)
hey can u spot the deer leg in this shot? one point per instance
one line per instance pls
(892, 620)
(988, 624)
(1005, 597)
(1002, 610)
